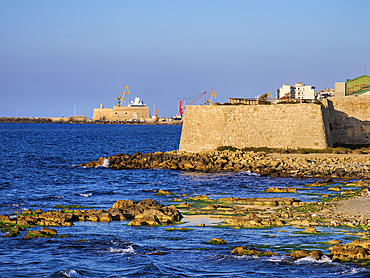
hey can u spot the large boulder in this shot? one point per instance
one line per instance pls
(152, 212)
(356, 250)
(146, 220)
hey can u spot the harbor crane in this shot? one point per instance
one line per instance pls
(119, 98)
(210, 97)
(269, 94)
(183, 106)
(198, 98)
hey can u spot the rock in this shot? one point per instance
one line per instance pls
(184, 205)
(147, 220)
(262, 201)
(117, 214)
(162, 192)
(209, 207)
(33, 234)
(335, 241)
(122, 204)
(244, 251)
(144, 209)
(300, 223)
(316, 254)
(280, 190)
(45, 232)
(296, 255)
(310, 230)
(6, 219)
(251, 220)
(336, 188)
(49, 231)
(104, 216)
(217, 241)
(201, 197)
(356, 250)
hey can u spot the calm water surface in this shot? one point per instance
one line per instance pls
(36, 171)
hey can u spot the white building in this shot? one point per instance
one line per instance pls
(298, 91)
(286, 91)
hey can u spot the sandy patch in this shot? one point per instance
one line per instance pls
(194, 220)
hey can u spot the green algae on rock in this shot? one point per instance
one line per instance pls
(217, 241)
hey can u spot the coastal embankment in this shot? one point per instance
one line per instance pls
(84, 120)
(355, 166)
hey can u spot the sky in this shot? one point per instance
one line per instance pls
(60, 58)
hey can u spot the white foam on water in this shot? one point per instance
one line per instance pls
(310, 259)
(354, 270)
(249, 173)
(85, 195)
(276, 258)
(17, 205)
(128, 250)
(71, 273)
(105, 163)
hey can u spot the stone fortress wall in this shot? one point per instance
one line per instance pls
(121, 113)
(349, 119)
(341, 120)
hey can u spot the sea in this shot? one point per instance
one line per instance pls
(38, 170)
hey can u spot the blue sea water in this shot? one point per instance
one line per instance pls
(37, 171)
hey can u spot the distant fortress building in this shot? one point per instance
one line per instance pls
(135, 111)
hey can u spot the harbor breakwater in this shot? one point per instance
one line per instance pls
(44, 120)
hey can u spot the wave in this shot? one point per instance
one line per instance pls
(249, 173)
(105, 164)
(18, 205)
(71, 273)
(324, 259)
(84, 194)
(128, 250)
(275, 258)
(281, 258)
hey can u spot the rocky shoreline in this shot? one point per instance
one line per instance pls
(343, 208)
(146, 212)
(238, 213)
(344, 166)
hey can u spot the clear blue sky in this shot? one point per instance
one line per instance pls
(57, 53)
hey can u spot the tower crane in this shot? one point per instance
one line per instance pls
(210, 97)
(119, 98)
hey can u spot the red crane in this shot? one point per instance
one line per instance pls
(197, 98)
(182, 105)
